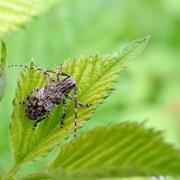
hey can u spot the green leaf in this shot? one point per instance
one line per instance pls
(121, 150)
(37, 176)
(15, 13)
(95, 77)
(49, 175)
(3, 71)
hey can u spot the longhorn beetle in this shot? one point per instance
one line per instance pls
(40, 102)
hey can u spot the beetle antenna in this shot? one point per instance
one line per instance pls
(45, 71)
(33, 68)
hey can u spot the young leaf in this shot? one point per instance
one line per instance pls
(3, 73)
(122, 150)
(15, 13)
(95, 77)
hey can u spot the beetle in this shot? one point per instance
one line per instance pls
(40, 102)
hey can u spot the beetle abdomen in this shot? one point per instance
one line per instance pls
(36, 108)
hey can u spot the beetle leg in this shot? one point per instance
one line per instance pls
(39, 120)
(64, 113)
(35, 124)
(49, 76)
(80, 104)
(76, 110)
(59, 67)
(59, 73)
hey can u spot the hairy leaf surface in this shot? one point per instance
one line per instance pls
(122, 150)
(3, 73)
(95, 77)
(15, 13)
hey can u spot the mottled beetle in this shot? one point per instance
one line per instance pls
(38, 106)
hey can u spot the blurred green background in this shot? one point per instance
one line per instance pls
(148, 90)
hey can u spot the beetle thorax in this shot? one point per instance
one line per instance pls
(66, 85)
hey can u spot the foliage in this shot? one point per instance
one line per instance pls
(121, 150)
(95, 77)
(15, 13)
(76, 29)
(3, 75)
